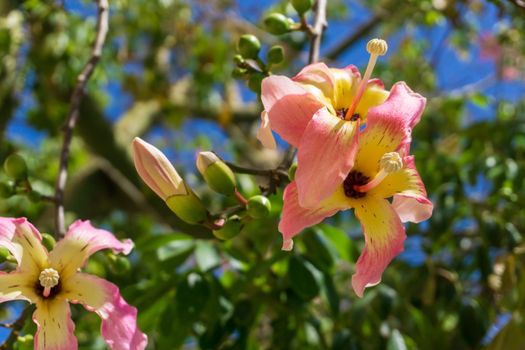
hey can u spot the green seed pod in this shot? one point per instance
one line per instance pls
(275, 54)
(249, 46)
(15, 167)
(6, 191)
(255, 81)
(48, 241)
(302, 6)
(291, 171)
(4, 254)
(216, 173)
(121, 265)
(239, 72)
(238, 59)
(231, 228)
(259, 207)
(277, 23)
(188, 207)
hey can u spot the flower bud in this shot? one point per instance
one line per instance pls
(258, 207)
(48, 241)
(301, 6)
(239, 72)
(6, 191)
(216, 173)
(238, 59)
(277, 23)
(275, 54)
(230, 229)
(156, 170)
(249, 46)
(291, 171)
(4, 254)
(15, 167)
(188, 207)
(120, 265)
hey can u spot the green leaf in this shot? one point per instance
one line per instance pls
(175, 249)
(396, 341)
(192, 296)
(207, 256)
(318, 252)
(302, 279)
(340, 241)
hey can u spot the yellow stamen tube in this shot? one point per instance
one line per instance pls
(48, 279)
(390, 163)
(376, 48)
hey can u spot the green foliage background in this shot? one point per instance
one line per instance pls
(173, 59)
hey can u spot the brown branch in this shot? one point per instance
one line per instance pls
(317, 30)
(361, 31)
(72, 117)
(16, 328)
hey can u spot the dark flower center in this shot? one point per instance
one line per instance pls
(39, 289)
(355, 178)
(341, 113)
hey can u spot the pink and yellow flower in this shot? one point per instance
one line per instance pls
(52, 280)
(320, 111)
(382, 169)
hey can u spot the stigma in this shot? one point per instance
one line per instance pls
(48, 278)
(376, 48)
(390, 162)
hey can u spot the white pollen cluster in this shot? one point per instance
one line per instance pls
(49, 278)
(391, 162)
(377, 47)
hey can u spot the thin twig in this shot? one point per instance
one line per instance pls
(359, 33)
(72, 117)
(317, 30)
(251, 171)
(16, 327)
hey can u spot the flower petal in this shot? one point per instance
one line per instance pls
(374, 95)
(325, 157)
(388, 127)
(25, 243)
(80, 242)
(410, 197)
(290, 107)
(16, 286)
(119, 320)
(412, 208)
(296, 218)
(264, 134)
(384, 237)
(55, 327)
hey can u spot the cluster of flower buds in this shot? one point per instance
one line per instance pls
(160, 175)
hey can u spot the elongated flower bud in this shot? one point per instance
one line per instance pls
(188, 207)
(156, 170)
(158, 173)
(216, 173)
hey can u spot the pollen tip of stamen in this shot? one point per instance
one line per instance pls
(391, 162)
(49, 278)
(377, 47)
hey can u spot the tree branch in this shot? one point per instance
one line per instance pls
(72, 117)
(317, 31)
(16, 327)
(361, 31)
